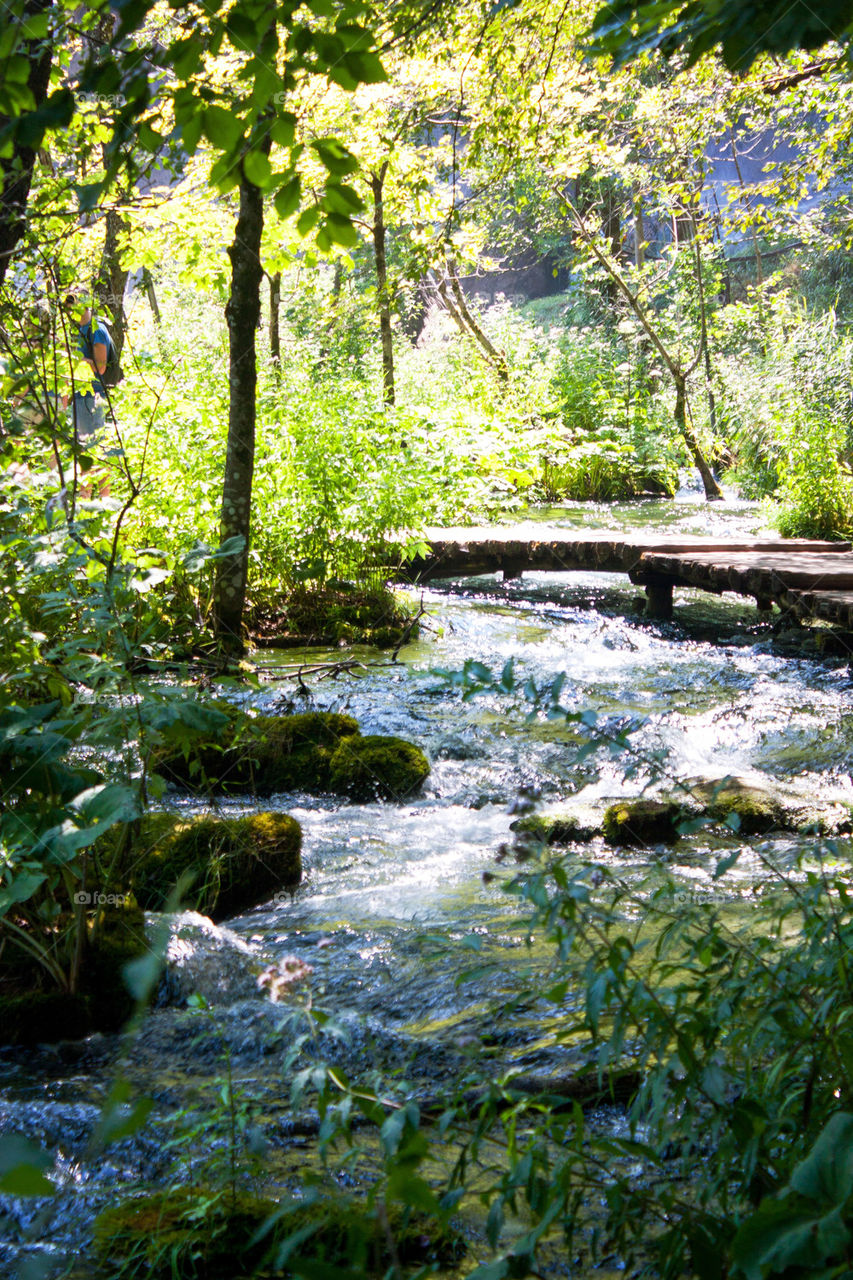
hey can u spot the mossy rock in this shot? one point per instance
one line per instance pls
(316, 751)
(149, 1236)
(186, 1232)
(642, 822)
(262, 754)
(558, 828)
(236, 863)
(32, 1012)
(376, 767)
(758, 809)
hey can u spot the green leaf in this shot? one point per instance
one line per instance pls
(287, 197)
(257, 168)
(307, 220)
(340, 230)
(826, 1174)
(283, 128)
(725, 864)
(21, 1165)
(221, 128)
(335, 156)
(342, 199)
(784, 1234)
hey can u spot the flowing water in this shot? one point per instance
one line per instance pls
(415, 948)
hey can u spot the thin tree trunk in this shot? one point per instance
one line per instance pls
(713, 492)
(109, 286)
(612, 229)
(148, 284)
(639, 233)
(383, 297)
(16, 170)
(678, 372)
(703, 330)
(275, 304)
(494, 356)
(243, 314)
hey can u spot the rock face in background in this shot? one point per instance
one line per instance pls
(235, 863)
(317, 751)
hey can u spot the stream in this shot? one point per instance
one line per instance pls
(415, 948)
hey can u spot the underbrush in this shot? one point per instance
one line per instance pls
(333, 612)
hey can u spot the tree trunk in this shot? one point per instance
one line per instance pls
(713, 492)
(148, 285)
(639, 233)
(243, 314)
(275, 304)
(383, 297)
(703, 329)
(495, 357)
(109, 286)
(16, 170)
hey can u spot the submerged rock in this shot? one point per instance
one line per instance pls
(316, 751)
(207, 960)
(757, 805)
(235, 863)
(559, 826)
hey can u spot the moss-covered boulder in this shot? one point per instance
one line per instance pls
(261, 754)
(376, 767)
(316, 751)
(235, 863)
(642, 822)
(558, 827)
(755, 804)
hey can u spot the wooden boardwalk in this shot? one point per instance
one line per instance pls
(812, 579)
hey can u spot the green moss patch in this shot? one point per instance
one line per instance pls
(317, 751)
(377, 768)
(334, 613)
(557, 827)
(209, 1236)
(758, 809)
(235, 863)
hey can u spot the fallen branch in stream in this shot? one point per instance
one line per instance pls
(586, 1089)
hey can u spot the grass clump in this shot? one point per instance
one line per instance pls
(204, 1235)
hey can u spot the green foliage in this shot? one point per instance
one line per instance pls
(788, 403)
(618, 439)
(742, 31)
